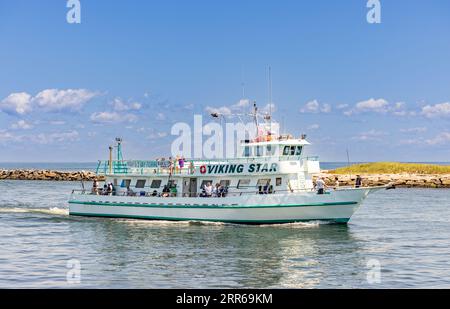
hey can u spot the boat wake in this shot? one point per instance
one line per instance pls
(46, 211)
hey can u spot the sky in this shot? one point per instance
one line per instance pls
(135, 68)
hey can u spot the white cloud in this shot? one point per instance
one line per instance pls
(6, 137)
(314, 127)
(225, 111)
(372, 105)
(57, 122)
(442, 138)
(414, 130)
(228, 110)
(58, 100)
(438, 110)
(42, 138)
(160, 116)
(112, 117)
(269, 108)
(157, 135)
(372, 135)
(16, 104)
(342, 106)
(120, 106)
(21, 125)
(56, 138)
(380, 106)
(314, 107)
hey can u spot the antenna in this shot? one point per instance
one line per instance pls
(270, 98)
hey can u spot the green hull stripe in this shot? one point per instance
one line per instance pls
(337, 220)
(209, 206)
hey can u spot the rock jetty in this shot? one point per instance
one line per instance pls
(47, 175)
(405, 180)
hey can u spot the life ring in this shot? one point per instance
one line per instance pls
(203, 169)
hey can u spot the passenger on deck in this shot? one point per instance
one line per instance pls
(320, 186)
(109, 189)
(208, 189)
(181, 163)
(95, 187)
(336, 184)
(105, 189)
(358, 182)
(130, 192)
(166, 191)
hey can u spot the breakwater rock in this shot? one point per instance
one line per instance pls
(399, 180)
(47, 175)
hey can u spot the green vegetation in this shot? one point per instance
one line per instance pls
(393, 168)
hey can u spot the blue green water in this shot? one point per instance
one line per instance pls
(406, 231)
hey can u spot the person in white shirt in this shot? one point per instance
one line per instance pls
(208, 189)
(320, 186)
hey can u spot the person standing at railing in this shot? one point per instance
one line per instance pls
(95, 187)
(320, 186)
(208, 189)
(181, 163)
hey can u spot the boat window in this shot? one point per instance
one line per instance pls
(225, 183)
(270, 150)
(115, 182)
(259, 151)
(243, 183)
(293, 150)
(156, 184)
(125, 183)
(286, 150)
(263, 182)
(205, 182)
(140, 184)
(299, 151)
(247, 151)
(278, 181)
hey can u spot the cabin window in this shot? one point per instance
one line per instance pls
(205, 182)
(278, 181)
(259, 151)
(125, 183)
(293, 150)
(140, 184)
(286, 150)
(247, 151)
(270, 150)
(299, 151)
(115, 182)
(156, 184)
(225, 183)
(263, 182)
(243, 183)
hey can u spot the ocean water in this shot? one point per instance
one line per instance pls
(398, 239)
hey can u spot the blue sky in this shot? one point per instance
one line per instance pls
(134, 68)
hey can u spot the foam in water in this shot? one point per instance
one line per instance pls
(50, 211)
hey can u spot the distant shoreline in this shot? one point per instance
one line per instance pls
(403, 180)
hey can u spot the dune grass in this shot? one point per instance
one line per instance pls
(393, 168)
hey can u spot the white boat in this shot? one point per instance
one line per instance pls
(271, 182)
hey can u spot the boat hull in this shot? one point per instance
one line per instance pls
(336, 206)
